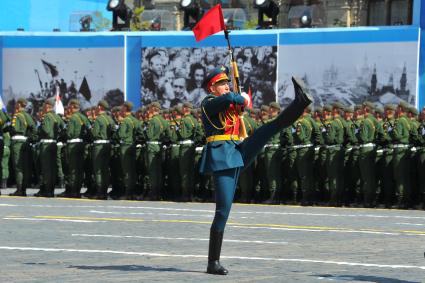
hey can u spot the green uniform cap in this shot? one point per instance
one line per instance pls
(379, 110)
(116, 109)
(22, 101)
(129, 105)
(74, 102)
(327, 108)
(358, 107)
(49, 102)
(155, 104)
(318, 109)
(369, 105)
(188, 105)
(274, 105)
(413, 110)
(403, 104)
(338, 105)
(104, 104)
(349, 109)
(390, 107)
(265, 108)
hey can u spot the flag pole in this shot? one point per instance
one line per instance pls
(236, 85)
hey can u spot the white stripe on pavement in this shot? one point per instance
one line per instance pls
(297, 260)
(60, 220)
(168, 238)
(233, 212)
(149, 213)
(329, 230)
(412, 224)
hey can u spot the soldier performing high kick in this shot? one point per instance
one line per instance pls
(225, 155)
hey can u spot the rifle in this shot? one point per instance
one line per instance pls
(236, 86)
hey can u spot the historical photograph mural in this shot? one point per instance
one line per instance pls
(87, 74)
(175, 75)
(351, 73)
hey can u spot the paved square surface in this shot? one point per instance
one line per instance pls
(64, 240)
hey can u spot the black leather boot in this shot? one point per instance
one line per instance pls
(271, 199)
(4, 183)
(214, 266)
(20, 192)
(295, 109)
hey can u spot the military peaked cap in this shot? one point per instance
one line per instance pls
(274, 105)
(104, 104)
(218, 74)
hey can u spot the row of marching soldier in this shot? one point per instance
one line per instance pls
(335, 155)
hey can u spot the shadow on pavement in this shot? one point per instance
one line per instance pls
(366, 278)
(132, 268)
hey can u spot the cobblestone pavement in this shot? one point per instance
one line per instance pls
(64, 240)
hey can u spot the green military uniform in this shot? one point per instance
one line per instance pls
(289, 155)
(321, 176)
(187, 132)
(421, 161)
(102, 132)
(305, 157)
(414, 140)
(384, 140)
(334, 138)
(76, 131)
(127, 132)
(273, 165)
(401, 163)
(172, 164)
(366, 137)
(5, 158)
(23, 129)
(48, 132)
(155, 130)
(4, 148)
(247, 176)
(351, 161)
(115, 163)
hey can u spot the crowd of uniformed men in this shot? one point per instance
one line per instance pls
(335, 155)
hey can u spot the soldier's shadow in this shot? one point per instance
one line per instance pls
(365, 278)
(132, 268)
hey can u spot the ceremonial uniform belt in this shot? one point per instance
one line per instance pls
(101, 141)
(272, 145)
(153, 142)
(222, 138)
(199, 148)
(302, 145)
(75, 140)
(333, 146)
(186, 142)
(47, 141)
(174, 145)
(59, 144)
(367, 145)
(400, 146)
(19, 138)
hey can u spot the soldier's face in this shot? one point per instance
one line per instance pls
(389, 114)
(220, 88)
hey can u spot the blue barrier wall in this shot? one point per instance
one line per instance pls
(45, 15)
(420, 18)
(319, 40)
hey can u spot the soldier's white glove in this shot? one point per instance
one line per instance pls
(248, 101)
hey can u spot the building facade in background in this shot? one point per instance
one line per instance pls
(323, 13)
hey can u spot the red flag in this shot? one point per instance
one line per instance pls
(250, 98)
(211, 23)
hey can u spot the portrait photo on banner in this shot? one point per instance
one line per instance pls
(85, 74)
(173, 76)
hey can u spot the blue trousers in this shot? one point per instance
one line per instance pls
(225, 181)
